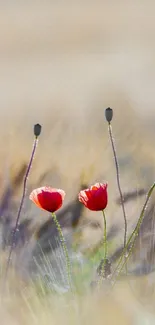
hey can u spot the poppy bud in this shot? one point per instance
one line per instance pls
(109, 114)
(37, 129)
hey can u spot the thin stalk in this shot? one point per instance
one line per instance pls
(104, 245)
(119, 188)
(133, 237)
(62, 239)
(118, 181)
(19, 211)
(105, 237)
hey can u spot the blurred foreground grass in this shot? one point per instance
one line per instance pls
(29, 304)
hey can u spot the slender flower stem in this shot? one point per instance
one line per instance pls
(19, 211)
(105, 247)
(118, 181)
(119, 185)
(105, 236)
(62, 239)
(132, 239)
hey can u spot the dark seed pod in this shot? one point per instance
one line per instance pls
(106, 272)
(37, 129)
(109, 114)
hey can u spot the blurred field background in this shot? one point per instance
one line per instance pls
(61, 64)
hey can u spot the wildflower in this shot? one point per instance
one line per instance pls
(95, 198)
(48, 198)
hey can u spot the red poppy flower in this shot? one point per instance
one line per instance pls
(48, 198)
(95, 198)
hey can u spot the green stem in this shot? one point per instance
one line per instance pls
(62, 239)
(105, 247)
(132, 237)
(105, 237)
